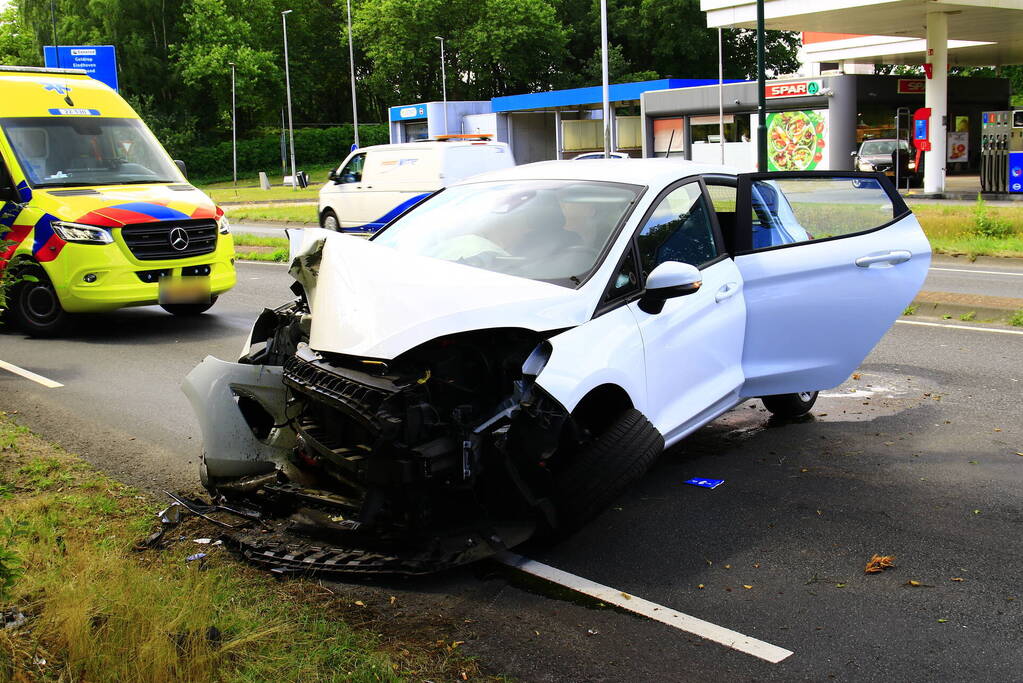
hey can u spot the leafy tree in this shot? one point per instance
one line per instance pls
(17, 44)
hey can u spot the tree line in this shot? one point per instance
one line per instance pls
(174, 55)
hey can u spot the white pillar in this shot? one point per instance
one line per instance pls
(936, 98)
(558, 143)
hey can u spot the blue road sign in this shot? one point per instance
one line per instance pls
(354, 147)
(99, 61)
(706, 483)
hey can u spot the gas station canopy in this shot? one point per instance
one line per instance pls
(991, 30)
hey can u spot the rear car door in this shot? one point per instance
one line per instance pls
(829, 260)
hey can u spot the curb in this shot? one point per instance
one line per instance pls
(984, 308)
(264, 202)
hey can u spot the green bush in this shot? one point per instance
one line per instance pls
(985, 225)
(312, 146)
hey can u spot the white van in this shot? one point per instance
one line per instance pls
(376, 184)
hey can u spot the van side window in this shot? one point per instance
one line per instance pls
(679, 229)
(352, 171)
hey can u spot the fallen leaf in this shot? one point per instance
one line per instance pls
(592, 632)
(879, 563)
(942, 621)
(457, 643)
(1020, 454)
(536, 632)
(747, 586)
(728, 566)
(804, 470)
(914, 584)
(856, 375)
(973, 462)
(700, 586)
(756, 565)
(360, 603)
(997, 430)
(839, 585)
(958, 578)
(393, 599)
(626, 596)
(976, 512)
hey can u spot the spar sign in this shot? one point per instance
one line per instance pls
(793, 89)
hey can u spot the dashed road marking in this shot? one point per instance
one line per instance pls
(612, 596)
(28, 374)
(960, 327)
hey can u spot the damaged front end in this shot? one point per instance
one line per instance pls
(432, 459)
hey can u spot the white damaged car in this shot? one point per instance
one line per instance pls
(512, 352)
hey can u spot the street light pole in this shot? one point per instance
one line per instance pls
(351, 66)
(761, 97)
(443, 82)
(287, 81)
(234, 133)
(606, 96)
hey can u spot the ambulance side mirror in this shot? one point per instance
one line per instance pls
(8, 192)
(181, 167)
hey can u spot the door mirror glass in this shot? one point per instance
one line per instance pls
(669, 280)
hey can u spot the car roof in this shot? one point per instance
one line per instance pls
(652, 172)
(432, 144)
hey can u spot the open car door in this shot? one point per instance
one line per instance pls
(829, 261)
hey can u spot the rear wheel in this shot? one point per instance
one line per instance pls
(790, 405)
(35, 306)
(189, 309)
(604, 467)
(329, 221)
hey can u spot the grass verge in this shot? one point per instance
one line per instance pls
(258, 248)
(280, 214)
(97, 610)
(317, 174)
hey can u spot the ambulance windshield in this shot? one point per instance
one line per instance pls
(69, 151)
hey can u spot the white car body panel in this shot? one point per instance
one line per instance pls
(694, 348)
(813, 315)
(579, 364)
(382, 302)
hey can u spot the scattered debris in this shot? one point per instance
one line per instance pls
(12, 619)
(705, 483)
(958, 578)
(747, 586)
(592, 632)
(879, 563)
(942, 621)
(193, 558)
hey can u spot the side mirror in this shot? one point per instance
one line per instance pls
(854, 153)
(181, 167)
(669, 280)
(332, 175)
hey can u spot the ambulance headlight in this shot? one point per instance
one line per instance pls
(81, 234)
(224, 225)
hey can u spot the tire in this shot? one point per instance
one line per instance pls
(789, 406)
(34, 305)
(187, 310)
(329, 221)
(604, 468)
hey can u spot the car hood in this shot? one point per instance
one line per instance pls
(373, 301)
(119, 205)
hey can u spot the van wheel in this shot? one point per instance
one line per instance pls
(329, 221)
(789, 406)
(189, 309)
(604, 467)
(35, 306)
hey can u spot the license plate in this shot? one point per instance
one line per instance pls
(185, 290)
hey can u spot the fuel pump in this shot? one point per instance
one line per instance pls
(996, 127)
(1016, 153)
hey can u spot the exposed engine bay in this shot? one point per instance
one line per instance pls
(436, 458)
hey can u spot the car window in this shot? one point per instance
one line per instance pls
(679, 229)
(352, 171)
(793, 210)
(722, 197)
(625, 281)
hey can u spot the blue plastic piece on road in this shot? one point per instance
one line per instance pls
(705, 483)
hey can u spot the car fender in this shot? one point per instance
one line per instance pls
(605, 350)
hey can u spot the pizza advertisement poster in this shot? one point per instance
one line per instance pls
(797, 140)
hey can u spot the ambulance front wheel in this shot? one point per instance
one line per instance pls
(34, 305)
(189, 309)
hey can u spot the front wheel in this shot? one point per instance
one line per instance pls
(789, 406)
(604, 467)
(189, 309)
(35, 306)
(329, 221)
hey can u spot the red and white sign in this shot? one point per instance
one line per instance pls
(792, 89)
(911, 86)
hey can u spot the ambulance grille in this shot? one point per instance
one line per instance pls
(153, 241)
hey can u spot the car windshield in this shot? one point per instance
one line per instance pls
(74, 151)
(879, 147)
(549, 230)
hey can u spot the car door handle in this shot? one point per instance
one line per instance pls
(892, 257)
(726, 292)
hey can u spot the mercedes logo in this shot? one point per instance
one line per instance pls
(178, 239)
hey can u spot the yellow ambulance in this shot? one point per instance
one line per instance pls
(95, 215)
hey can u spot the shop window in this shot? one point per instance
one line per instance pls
(707, 129)
(630, 135)
(668, 137)
(582, 134)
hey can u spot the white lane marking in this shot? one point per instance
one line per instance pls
(980, 272)
(651, 610)
(28, 374)
(960, 327)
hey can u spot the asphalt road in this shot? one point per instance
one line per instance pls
(916, 458)
(991, 277)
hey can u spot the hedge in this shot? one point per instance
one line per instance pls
(312, 146)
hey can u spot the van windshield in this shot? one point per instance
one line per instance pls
(549, 230)
(73, 151)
